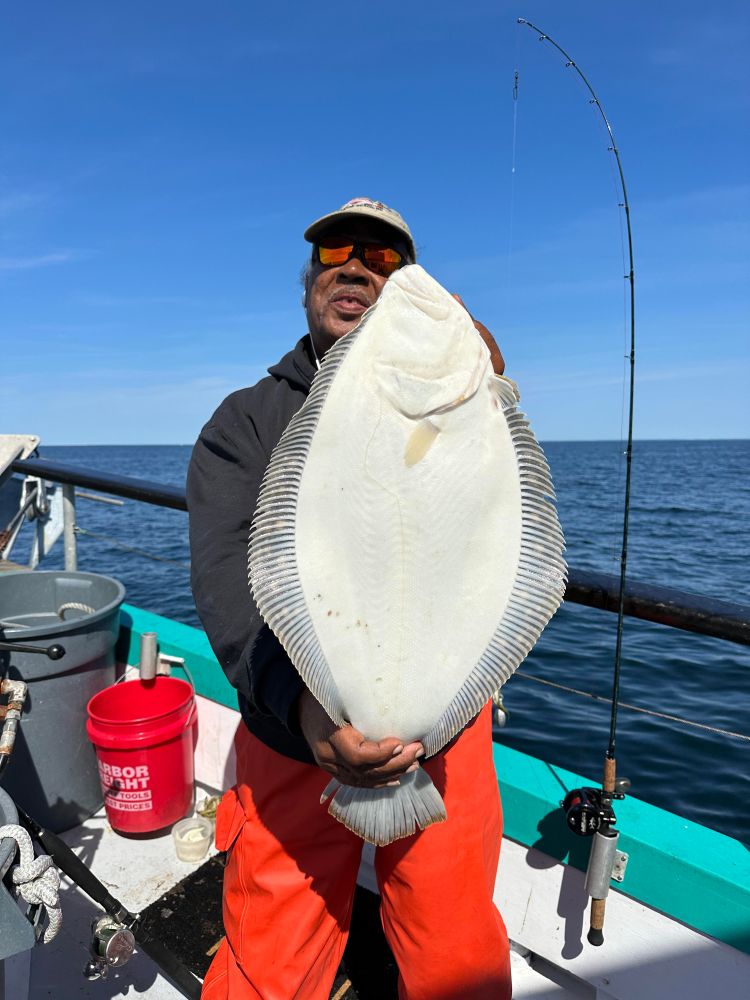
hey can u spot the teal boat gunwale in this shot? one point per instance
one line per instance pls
(689, 872)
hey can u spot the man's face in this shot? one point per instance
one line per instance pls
(337, 296)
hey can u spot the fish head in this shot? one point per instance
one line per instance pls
(429, 356)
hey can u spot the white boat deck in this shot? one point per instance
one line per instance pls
(137, 872)
(647, 956)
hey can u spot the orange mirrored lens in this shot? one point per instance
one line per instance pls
(335, 251)
(381, 255)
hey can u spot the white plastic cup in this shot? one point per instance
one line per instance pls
(192, 838)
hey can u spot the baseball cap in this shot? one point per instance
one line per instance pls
(369, 209)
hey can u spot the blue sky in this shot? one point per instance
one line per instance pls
(159, 163)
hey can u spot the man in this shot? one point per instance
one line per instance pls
(291, 868)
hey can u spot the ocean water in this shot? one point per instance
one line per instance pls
(689, 530)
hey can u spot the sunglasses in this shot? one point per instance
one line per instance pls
(333, 251)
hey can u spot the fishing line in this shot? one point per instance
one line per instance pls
(633, 708)
(514, 148)
(515, 122)
(116, 543)
(512, 177)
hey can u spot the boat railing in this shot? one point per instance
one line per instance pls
(650, 602)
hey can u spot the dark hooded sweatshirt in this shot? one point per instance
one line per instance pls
(224, 478)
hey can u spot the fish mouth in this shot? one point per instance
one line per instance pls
(423, 292)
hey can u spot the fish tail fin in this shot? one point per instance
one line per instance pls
(382, 815)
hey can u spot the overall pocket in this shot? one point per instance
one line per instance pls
(230, 818)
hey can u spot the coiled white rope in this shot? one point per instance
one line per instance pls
(75, 606)
(36, 878)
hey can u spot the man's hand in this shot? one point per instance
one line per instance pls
(496, 357)
(350, 758)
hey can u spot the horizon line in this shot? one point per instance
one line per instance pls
(189, 444)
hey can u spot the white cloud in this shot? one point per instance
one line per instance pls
(10, 204)
(33, 263)
(138, 301)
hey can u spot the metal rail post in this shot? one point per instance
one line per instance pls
(69, 527)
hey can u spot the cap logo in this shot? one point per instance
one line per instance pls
(367, 202)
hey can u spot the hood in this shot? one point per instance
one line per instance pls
(297, 367)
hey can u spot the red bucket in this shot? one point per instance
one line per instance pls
(143, 733)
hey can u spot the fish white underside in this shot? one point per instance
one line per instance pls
(405, 549)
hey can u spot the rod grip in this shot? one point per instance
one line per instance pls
(610, 774)
(595, 935)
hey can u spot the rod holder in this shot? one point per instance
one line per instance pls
(148, 664)
(598, 874)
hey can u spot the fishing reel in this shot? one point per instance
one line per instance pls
(112, 945)
(588, 810)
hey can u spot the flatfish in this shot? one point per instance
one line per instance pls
(405, 547)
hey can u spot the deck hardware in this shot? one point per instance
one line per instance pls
(166, 662)
(47, 515)
(621, 863)
(148, 665)
(36, 491)
(81, 494)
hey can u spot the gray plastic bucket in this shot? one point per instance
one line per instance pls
(52, 772)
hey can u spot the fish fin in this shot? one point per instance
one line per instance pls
(539, 585)
(500, 384)
(382, 815)
(272, 560)
(331, 788)
(421, 440)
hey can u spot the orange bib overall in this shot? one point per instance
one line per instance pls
(291, 872)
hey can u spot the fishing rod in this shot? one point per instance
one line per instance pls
(113, 936)
(589, 810)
